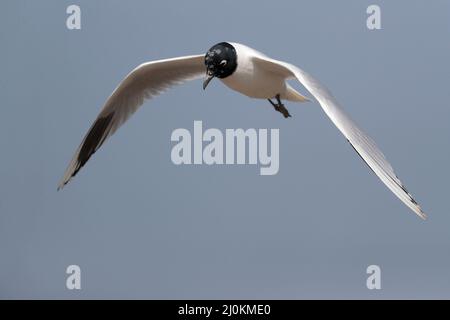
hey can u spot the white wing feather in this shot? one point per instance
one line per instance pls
(360, 141)
(144, 82)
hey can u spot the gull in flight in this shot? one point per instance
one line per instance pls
(242, 69)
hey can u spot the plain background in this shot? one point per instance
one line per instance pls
(141, 227)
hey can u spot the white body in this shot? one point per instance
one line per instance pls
(256, 82)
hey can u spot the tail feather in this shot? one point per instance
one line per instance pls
(293, 95)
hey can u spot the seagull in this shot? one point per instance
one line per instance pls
(246, 71)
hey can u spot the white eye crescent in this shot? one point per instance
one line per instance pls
(223, 63)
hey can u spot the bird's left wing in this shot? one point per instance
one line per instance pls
(360, 141)
(144, 82)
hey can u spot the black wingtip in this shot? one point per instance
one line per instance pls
(93, 140)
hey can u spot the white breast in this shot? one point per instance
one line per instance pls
(252, 81)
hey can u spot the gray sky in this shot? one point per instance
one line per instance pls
(141, 227)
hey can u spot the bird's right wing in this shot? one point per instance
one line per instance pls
(144, 82)
(360, 141)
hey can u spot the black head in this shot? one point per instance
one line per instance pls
(220, 61)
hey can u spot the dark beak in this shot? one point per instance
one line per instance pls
(209, 77)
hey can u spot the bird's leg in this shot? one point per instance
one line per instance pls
(280, 107)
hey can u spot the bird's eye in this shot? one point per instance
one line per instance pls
(223, 63)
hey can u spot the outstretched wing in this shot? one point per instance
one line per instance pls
(144, 82)
(360, 141)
